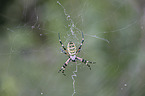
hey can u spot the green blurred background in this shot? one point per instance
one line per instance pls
(30, 54)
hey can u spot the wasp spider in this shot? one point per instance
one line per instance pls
(71, 52)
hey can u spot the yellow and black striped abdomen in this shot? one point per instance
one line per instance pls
(71, 48)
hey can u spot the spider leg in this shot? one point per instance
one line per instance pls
(80, 44)
(66, 52)
(63, 51)
(64, 66)
(86, 62)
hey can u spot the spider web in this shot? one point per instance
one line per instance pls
(30, 54)
(72, 28)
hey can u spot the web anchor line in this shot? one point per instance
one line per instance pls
(74, 75)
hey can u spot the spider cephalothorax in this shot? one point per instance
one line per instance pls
(71, 52)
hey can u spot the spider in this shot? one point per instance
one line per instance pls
(71, 52)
